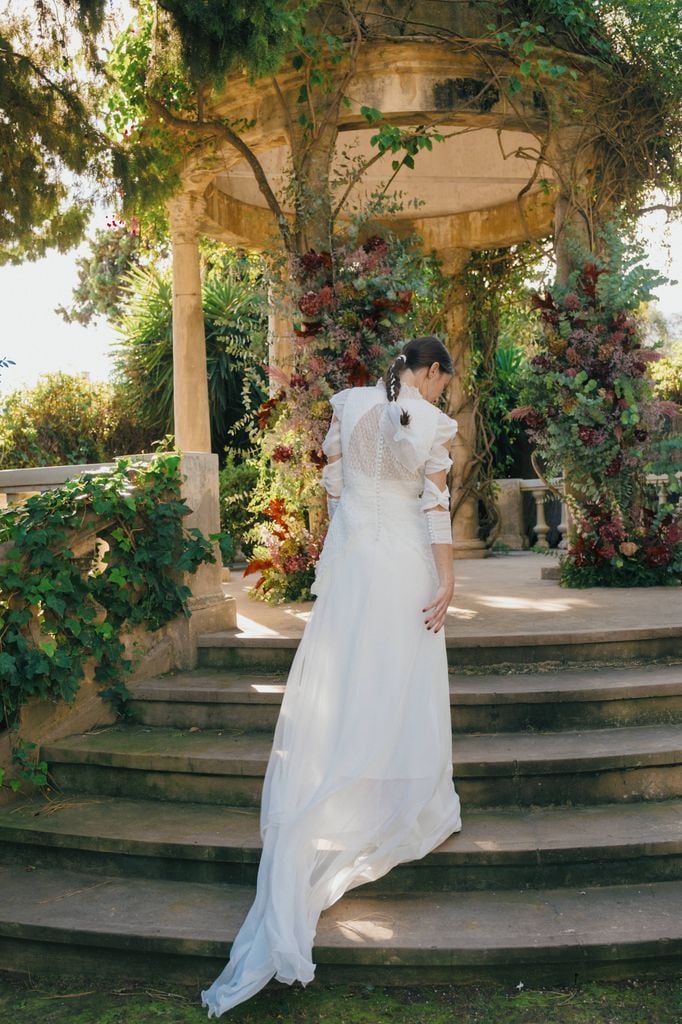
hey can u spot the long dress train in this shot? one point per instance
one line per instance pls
(360, 774)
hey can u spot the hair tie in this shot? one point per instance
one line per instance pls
(401, 356)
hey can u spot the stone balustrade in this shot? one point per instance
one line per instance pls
(18, 484)
(516, 521)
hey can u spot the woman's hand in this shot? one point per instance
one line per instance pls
(438, 608)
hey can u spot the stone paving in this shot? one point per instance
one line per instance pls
(500, 595)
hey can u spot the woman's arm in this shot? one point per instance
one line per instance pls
(435, 503)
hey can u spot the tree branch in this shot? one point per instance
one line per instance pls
(207, 129)
(660, 206)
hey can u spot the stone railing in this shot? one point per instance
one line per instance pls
(18, 484)
(518, 520)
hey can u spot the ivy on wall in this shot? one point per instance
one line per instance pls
(64, 604)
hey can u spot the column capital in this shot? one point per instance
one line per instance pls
(186, 211)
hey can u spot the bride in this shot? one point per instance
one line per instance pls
(360, 774)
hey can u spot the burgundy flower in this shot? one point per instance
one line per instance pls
(376, 244)
(542, 361)
(310, 304)
(612, 531)
(313, 261)
(673, 534)
(589, 436)
(535, 420)
(657, 555)
(308, 330)
(571, 301)
(317, 457)
(282, 453)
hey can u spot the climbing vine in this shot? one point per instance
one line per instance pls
(65, 603)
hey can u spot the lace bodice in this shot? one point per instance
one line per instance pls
(378, 476)
(378, 455)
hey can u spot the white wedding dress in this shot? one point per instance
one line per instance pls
(360, 774)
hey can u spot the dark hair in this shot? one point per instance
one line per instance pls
(418, 352)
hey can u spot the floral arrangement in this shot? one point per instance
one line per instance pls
(591, 413)
(351, 308)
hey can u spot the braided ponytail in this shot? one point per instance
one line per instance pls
(416, 353)
(392, 380)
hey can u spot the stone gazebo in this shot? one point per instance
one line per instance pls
(501, 176)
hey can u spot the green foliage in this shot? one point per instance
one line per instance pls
(589, 407)
(667, 375)
(500, 328)
(146, 162)
(61, 610)
(237, 482)
(637, 46)
(219, 35)
(47, 130)
(98, 293)
(235, 327)
(65, 420)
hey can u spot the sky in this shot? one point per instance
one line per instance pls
(40, 341)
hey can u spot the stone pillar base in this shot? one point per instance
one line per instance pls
(469, 549)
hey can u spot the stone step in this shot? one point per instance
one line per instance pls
(235, 699)
(64, 922)
(496, 849)
(614, 646)
(583, 767)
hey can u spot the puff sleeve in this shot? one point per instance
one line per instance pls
(439, 455)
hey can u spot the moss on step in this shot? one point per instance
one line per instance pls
(632, 1002)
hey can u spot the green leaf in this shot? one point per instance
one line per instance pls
(371, 114)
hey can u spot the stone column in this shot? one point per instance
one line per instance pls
(459, 405)
(190, 383)
(280, 336)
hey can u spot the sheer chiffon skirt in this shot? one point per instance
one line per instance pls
(360, 774)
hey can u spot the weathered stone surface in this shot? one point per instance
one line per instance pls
(590, 766)
(604, 930)
(504, 847)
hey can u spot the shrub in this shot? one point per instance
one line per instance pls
(237, 481)
(590, 409)
(65, 420)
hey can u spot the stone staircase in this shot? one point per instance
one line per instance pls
(568, 865)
